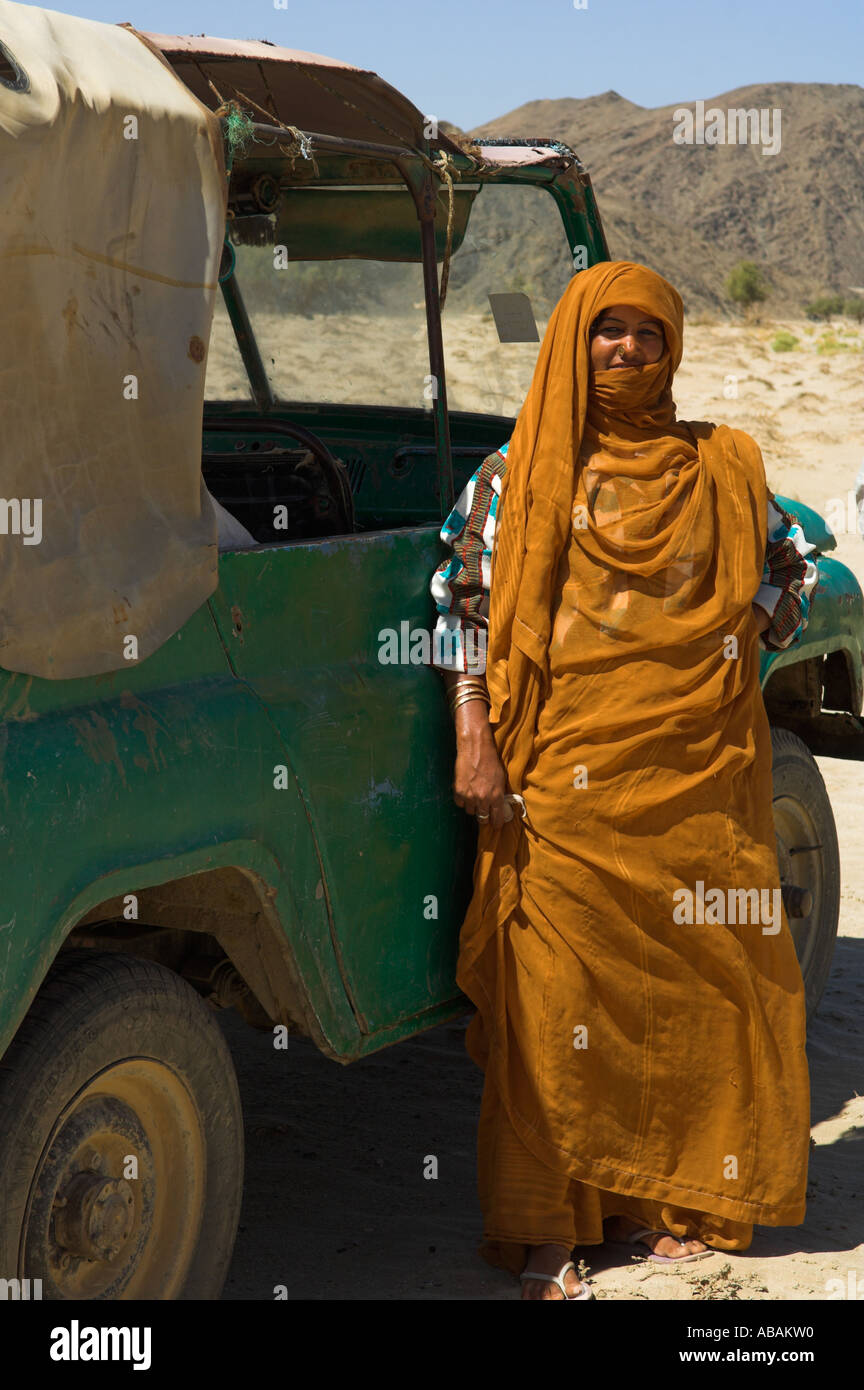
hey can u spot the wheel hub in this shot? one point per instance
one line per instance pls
(116, 1202)
(94, 1201)
(94, 1216)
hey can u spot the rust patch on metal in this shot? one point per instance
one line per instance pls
(196, 348)
(144, 723)
(15, 698)
(98, 742)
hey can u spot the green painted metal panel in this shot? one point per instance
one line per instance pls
(113, 783)
(320, 223)
(372, 746)
(836, 624)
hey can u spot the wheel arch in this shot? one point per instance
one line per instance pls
(236, 897)
(818, 697)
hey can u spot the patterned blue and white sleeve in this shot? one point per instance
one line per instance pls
(460, 584)
(788, 579)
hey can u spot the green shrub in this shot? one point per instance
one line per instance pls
(828, 342)
(784, 341)
(745, 284)
(825, 306)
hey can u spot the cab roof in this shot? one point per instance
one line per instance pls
(315, 93)
(307, 90)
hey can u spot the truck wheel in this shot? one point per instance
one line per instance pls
(808, 856)
(121, 1137)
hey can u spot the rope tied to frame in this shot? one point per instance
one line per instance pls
(302, 150)
(302, 144)
(239, 129)
(447, 174)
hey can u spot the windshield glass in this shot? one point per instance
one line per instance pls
(335, 331)
(515, 250)
(354, 331)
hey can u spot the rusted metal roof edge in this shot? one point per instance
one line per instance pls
(204, 46)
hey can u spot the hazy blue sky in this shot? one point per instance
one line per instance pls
(471, 60)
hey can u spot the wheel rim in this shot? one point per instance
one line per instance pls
(800, 860)
(100, 1226)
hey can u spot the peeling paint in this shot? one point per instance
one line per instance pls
(15, 697)
(98, 741)
(146, 724)
(376, 791)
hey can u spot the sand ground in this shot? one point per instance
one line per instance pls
(336, 1204)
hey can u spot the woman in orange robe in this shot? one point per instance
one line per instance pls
(640, 1008)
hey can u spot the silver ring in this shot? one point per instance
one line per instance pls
(482, 815)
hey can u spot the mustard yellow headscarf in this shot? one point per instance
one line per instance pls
(569, 411)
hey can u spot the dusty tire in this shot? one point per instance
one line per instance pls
(119, 1059)
(803, 819)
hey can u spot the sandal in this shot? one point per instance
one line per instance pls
(559, 1280)
(638, 1236)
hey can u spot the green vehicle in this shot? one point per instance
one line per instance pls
(257, 814)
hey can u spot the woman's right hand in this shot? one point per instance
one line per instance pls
(479, 782)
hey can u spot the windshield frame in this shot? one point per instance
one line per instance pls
(330, 160)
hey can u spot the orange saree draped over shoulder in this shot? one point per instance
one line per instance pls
(640, 1008)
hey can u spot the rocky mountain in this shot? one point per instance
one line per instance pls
(692, 210)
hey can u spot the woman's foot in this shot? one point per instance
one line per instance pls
(619, 1228)
(550, 1259)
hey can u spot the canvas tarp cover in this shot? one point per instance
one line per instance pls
(112, 214)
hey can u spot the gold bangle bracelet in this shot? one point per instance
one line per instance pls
(464, 700)
(468, 683)
(475, 695)
(472, 690)
(474, 683)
